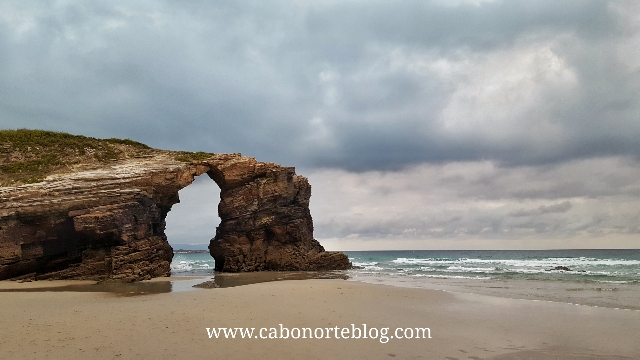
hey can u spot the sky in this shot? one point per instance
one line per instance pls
(459, 124)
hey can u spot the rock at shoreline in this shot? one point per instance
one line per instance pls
(563, 268)
(207, 285)
(181, 251)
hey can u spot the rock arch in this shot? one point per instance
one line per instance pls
(108, 223)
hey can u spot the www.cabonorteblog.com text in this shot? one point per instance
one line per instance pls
(352, 332)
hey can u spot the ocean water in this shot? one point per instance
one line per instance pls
(586, 266)
(601, 278)
(192, 264)
(607, 278)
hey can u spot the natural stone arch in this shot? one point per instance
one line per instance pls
(109, 222)
(265, 219)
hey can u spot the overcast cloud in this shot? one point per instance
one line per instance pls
(419, 123)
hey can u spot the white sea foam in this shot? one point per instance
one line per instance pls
(582, 261)
(581, 267)
(616, 281)
(470, 269)
(372, 263)
(427, 268)
(453, 277)
(494, 270)
(373, 268)
(184, 266)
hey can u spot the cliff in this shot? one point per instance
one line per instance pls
(81, 208)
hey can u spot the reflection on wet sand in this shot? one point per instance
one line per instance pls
(165, 285)
(122, 289)
(225, 280)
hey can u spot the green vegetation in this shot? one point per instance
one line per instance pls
(24, 138)
(35, 165)
(28, 156)
(185, 156)
(127, 142)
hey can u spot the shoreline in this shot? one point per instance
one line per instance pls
(180, 283)
(463, 325)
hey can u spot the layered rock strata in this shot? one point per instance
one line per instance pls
(108, 222)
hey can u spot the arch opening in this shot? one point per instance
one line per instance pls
(190, 226)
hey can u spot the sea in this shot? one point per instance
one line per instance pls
(599, 278)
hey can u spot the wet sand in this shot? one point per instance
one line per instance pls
(620, 296)
(173, 325)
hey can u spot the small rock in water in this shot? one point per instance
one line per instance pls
(207, 285)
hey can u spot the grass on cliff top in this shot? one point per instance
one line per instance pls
(28, 156)
(186, 156)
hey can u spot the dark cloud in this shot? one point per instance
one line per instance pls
(356, 84)
(543, 209)
(445, 28)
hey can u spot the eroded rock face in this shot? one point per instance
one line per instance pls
(266, 223)
(108, 223)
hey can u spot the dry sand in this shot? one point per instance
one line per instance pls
(86, 325)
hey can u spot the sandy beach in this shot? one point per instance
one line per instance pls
(174, 325)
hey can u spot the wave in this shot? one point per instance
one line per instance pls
(582, 268)
(547, 262)
(190, 266)
(372, 263)
(453, 277)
